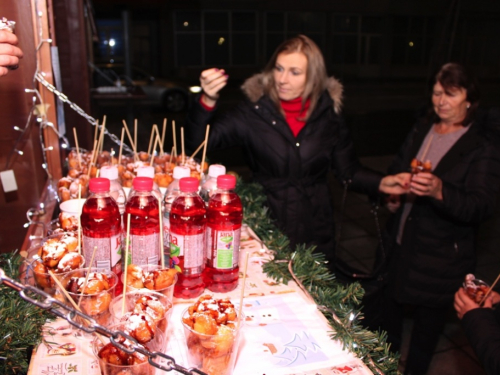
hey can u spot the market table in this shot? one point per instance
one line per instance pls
(284, 332)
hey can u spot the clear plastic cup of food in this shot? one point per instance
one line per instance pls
(476, 289)
(151, 277)
(216, 353)
(143, 301)
(113, 360)
(92, 290)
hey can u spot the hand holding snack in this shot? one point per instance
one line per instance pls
(9, 52)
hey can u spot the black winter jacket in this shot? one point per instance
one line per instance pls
(293, 170)
(437, 246)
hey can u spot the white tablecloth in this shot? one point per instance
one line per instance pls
(284, 333)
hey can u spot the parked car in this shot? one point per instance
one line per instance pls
(170, 94)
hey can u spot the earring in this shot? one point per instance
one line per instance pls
(468, 106)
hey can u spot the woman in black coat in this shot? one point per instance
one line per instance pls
(433, 231)
(292, 134)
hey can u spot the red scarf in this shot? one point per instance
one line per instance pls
(294, 114)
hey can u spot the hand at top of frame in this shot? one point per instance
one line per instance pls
(212, 81)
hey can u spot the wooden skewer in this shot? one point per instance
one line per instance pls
(92, 159)
(101, 138)
(151, 138)
(182, 146)
(202, 167)
(77, 150)
(68, 297)
(163, 135)
(175, 139)
(172, 161)
(489, 290)
(243, 288)
(121, 147)
(130, 139)
(88, 274)
(197, 150)
(79, 221)
(127, 241)
(135, 134)
(161, 233)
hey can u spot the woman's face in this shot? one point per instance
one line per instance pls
(450, 105)
(290, 74)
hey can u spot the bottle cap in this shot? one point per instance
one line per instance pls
(110, 172)
(226, 181)
(189, 184)
(146, 171)
(143, 183)
(180, 172)
(215, 170)
(99, 185)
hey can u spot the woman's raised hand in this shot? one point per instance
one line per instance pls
(9, 52)
(212, 81)
(427, 184)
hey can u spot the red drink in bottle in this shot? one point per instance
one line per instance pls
(101, 228)
(144, 210)
(187, 239)
(224, 217)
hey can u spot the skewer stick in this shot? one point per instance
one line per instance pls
(243, 288)
(79, 221)
(182, 146)
(92, 159)
(427, 146)
(204, 150)
(135, 133)
(175, 139)
(151, 138)
(121, 147)
(157, 140)
(161, 234)
(68, 297)
(163, 135)
(172, 161)
(127, 241)
(101, 138)
(77, 150)
(130, 139)
(88, 275)
(489, 290)
(197, 150)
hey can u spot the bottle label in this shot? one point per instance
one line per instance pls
(223, 248)
(145, 249)
(107, 254)
(192, 248)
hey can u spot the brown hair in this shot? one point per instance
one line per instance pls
(456, 76)
(315, 76)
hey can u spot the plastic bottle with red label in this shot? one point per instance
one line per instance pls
(187, 239)
(209, 186)
(101, 228)
(224, 218)
(144, 210)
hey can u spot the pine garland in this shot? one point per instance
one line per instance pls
(21, 328)
(340, 304)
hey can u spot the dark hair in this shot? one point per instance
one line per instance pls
(456, 76)
(316, 76)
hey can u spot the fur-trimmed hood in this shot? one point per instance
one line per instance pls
(253, 88)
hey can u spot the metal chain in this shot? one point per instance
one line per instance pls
(81, 112)
(45, 301)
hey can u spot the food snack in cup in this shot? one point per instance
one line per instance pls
(152, 277)
(212, 328)
(418, 166)
(476, 289)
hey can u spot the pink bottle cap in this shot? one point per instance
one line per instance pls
(99, 185)
(226, 181)
(189, 184)
(143, 184)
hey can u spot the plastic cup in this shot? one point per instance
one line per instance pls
(72, 206)
(213, 354)
(168, 291)
(96, 305)
(476, 289)
(131, 298)
(143, 368)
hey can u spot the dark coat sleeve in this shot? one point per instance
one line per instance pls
(482, 327)
(347, 167)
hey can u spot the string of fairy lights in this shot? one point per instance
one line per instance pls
(38, 115)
